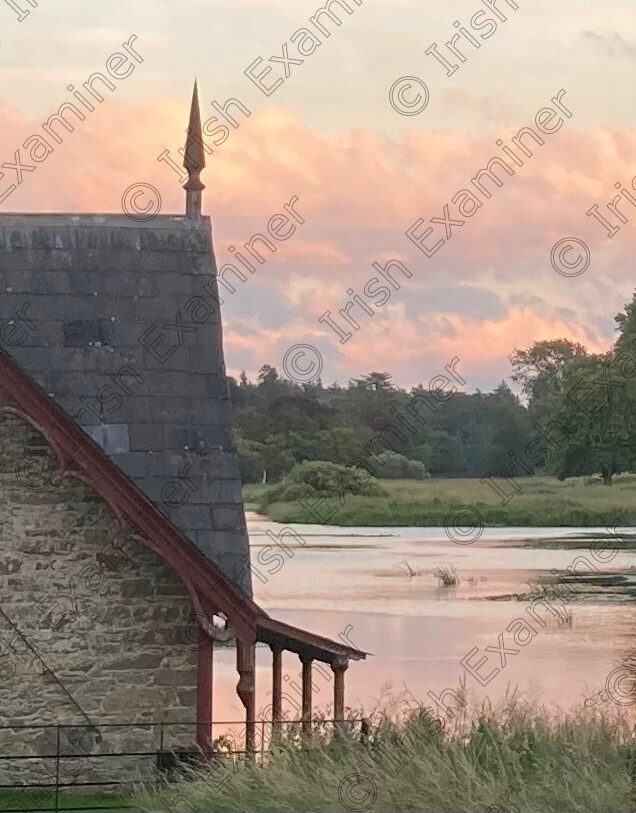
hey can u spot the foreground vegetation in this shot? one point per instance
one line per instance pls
(538, 502)
(514, 758)
(34, 799)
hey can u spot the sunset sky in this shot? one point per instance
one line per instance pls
(362, 173)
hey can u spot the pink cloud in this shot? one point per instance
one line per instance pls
(358, 192)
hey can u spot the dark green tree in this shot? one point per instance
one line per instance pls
(594, 418)
(540, 370)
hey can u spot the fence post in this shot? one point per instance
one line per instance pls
(633, 771)
(57, 769)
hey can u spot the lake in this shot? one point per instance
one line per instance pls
(353, 581)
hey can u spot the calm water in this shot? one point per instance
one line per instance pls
(353, 581)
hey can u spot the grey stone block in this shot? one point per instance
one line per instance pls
(146, 437)
(227, 517)
(35, 358)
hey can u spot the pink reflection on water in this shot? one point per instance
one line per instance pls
(354, 579)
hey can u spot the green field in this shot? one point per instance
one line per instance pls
(533, 501)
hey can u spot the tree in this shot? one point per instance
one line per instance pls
(376, 382)
(371, 399)
(626, 325)
(596, 407)
(267, 376)
(251, 460)
(596, 417)
(540, 370)
(588, 400)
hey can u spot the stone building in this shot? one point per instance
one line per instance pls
(124, 547)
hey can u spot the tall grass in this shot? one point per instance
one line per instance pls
(447, 576)
(514, 757)
(538, 502)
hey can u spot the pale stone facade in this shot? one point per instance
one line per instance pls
(94, 628)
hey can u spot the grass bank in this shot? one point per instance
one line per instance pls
(539, 501)
(515, 759)
(33, 799)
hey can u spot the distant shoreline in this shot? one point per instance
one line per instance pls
(539, 503)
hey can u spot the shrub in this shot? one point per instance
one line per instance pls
(394, 466)
(447, 576)
(318, 478)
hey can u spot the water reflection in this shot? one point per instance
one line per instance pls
(336, 579)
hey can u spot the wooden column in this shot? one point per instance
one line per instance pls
(339, 668)
(277, 688)
(205, 664)
(307, 695)
(246, 689)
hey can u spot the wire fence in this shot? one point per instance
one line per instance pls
(65, 767)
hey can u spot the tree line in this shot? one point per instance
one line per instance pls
(576, 415)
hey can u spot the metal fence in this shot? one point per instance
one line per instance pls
(58, 765)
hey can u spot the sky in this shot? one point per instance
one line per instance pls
(344, 136)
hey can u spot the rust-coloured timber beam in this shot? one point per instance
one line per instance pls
(277, 688)
(205, 666)
(307, 696)
(246, 689)
(339, 668)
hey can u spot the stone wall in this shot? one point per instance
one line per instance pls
(91, 632)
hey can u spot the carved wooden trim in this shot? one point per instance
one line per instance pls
(246, 688)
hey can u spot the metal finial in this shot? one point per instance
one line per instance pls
(194, 158)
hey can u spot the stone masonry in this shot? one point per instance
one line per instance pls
(94, 628)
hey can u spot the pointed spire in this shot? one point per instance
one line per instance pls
(194, 158)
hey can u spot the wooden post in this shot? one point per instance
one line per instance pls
(205, 664)
(246, 689)
(339, 668)
(277, 689)
(307, 696)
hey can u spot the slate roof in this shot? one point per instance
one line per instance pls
(118, 321)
